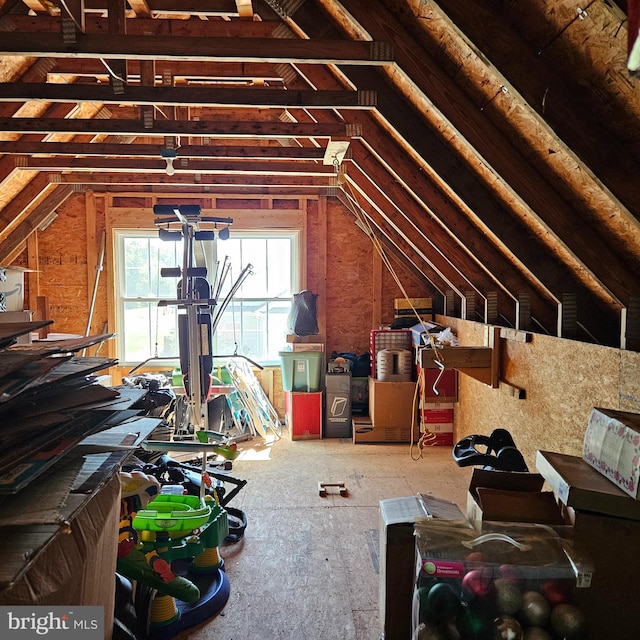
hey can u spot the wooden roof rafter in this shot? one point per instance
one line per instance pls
(495, 134)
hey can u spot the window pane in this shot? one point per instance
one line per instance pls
(137, 346)
(136, 273)
(277, 328)
(278, 263)
(255, 321)
(254, 253)
(258, 328)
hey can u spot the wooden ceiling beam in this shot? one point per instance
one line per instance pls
(206, 8)
(573, 122)
(427, 202)
(481, 228)
(217, 129)
(222, 72)
(276, 152)
(421, 242)
(15, 212)
(181, 165)
(140, 8)
(547, 214)
(186, 96)
(190, 179)
(166, 27)
(245, 8)
(432, 215)
(115, 46)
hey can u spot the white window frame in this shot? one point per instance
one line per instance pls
(297, 251)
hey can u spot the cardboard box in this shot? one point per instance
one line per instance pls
(361, 427)
(293, 338)
(379, 435)
(441, 434)
(391, 404)
(307, 346)
(578, 485)
(75, 568)
(606, 523)
(420, 331)
(365, 433)
(612, 446)
(511, 497)
(18, 316)
(411, 306)
(613, 544)
(446, 386)
(397, 557)
(12, 288)
(435, 412)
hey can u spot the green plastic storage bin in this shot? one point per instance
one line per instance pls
(302, 370)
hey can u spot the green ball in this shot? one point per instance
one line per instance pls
(442, 603)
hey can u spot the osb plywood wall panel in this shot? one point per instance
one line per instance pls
(562, 379)
(349, 282)
(64, 275)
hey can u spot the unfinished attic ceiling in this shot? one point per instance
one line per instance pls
(491, 146)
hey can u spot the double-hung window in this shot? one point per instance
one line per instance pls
(249, 318)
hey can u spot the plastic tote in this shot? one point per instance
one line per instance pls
(302, 370)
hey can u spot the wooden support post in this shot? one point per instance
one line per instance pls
(42, 313)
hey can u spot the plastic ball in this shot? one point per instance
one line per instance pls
(423, 593)
(535, 609)
(507, 628)
(511, 573)
(568, 622)
(476, 558)
(430, 631)
(475, 624)
(508, 597)
(442, 603)
(478, 583)
(557, 591)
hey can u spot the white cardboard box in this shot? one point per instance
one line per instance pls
(612, 446)
(397, 557)
(12, 288)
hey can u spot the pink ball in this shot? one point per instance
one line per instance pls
(478, 583)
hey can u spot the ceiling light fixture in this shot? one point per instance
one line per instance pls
(335, 152)
(169, 155)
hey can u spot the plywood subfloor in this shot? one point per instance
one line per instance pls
(307, 568)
